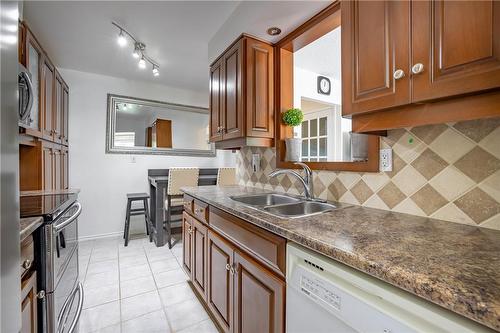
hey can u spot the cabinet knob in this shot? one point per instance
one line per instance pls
(398, 74)
(228, 267)
(41, 294)
(190, 230)
(27, 264)
(417, 68)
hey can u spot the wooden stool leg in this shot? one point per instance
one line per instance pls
(127, 222)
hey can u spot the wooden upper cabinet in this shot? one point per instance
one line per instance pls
(232, 103)
(58, 108)
(65, 114)
(375, 45)
(220, 280)
(458, 45)
(47, 99)
(242, 95)
(216, 94)
(396, 53)
(260, 89)
(258, 294)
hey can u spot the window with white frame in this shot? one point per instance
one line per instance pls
(125, 139)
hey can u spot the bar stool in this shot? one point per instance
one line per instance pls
(226, 176)
(177, 178)
(131, 197)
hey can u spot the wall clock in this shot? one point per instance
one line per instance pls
(324, 85)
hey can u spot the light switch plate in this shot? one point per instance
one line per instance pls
(386, 159)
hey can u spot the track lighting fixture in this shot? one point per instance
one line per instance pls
(122, 41)
(139, 49)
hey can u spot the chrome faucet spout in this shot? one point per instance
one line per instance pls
(306, 181)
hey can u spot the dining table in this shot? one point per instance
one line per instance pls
(158, 182)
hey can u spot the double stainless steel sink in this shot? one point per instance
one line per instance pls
(284, 205)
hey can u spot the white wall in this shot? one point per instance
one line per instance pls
(104, 179)
(305, 85)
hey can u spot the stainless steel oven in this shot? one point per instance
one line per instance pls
(63, 291)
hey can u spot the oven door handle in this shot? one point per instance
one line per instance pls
(70, 219)
(67, 305)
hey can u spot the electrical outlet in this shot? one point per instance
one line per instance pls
(386, 159)
(256, 162)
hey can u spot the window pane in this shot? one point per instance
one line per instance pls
(324, 159)
(322, 126)
(305, 147)
(314, 147)
(314, 127)
(305, 132)
(322, 147)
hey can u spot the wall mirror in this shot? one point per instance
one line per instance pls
(310, 78)
(140, 126)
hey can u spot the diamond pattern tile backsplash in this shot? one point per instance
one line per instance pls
(449, 172)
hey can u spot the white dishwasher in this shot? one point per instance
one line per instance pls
(323, 295)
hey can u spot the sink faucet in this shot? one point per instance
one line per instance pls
(306, 181)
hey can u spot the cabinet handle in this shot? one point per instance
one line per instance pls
(190, 230)
(228, 267)
(27, 264)
(417, 68)
(398, 74)
(41, 294)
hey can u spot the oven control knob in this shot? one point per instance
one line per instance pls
(41, 294)
(27, 264)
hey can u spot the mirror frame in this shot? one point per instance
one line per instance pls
(111, 124)
(322, 23)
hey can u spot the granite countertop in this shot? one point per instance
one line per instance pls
(28, 225)
(49, 192)
(455, 266)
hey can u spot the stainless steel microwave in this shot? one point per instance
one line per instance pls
(26, 97)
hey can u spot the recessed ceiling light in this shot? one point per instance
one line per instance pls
(274, 31)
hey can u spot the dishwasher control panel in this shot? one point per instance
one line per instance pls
(317, 289)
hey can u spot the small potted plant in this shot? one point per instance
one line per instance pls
(293, 117)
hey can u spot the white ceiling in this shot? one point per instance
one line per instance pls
(323, 56)
(78, 34)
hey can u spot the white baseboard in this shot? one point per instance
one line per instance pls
(109, 235)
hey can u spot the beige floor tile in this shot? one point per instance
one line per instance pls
(100, 295)
(176, 294)
(168, 278)
(164, 265)
(138, 286)
(138, 305)
(102, 266)
(99, 317)
(154, 322)
(185, 314)
(206, 326)
(134, 272)
(101, 279)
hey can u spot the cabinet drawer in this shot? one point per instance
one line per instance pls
(200, 210)
(188, 204)
(27, 255)
(265, 246)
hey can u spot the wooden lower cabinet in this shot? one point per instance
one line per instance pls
(259, 297)
(243, 293)
(29, 304)
(187, 241)
(220, 281)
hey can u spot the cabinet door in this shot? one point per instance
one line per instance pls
(48, 162)
(220, 281)
(33, 62)
(259, 87)
(29, 305)
(258, 294)
(187, 243)
(47, 100)
(65, 168)
(216, 93)
(375, 43)
(232, 104)
(58, 108)
(458, 44)
(199, 268)
(65, 115)
(57, 168)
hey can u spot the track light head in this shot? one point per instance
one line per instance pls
(137, 52)
(156, 71)
(142, 63)
(122, 41)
